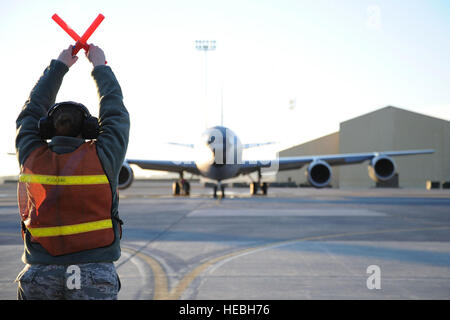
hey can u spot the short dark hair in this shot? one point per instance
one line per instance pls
(68, 120)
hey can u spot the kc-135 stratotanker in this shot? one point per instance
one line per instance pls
(219, 157)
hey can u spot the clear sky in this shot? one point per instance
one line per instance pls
(335, 59)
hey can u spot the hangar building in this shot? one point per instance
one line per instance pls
(385, 129)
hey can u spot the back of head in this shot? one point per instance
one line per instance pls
(68, 120)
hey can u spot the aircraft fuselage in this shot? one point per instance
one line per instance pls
(219, 153)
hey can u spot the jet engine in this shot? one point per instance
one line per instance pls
(319, 174)
(381, 168)
(126, 176)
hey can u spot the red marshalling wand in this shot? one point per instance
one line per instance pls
(81, 42)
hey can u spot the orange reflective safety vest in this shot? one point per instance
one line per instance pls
(65, 200)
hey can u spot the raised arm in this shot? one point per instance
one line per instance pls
(41, 98)
(114, 120)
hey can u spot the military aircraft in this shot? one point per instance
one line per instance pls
(219, 157)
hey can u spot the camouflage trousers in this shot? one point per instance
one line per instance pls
(87, 281)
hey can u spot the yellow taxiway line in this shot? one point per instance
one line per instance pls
(161, 288)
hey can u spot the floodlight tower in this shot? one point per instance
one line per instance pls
(206, 45)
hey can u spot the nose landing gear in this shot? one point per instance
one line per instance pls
(222, 190)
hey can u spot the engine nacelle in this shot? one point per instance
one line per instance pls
(126, 176)
(381, 168)
(319, 174)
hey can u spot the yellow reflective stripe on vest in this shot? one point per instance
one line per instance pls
(70, 229)
(63, 180)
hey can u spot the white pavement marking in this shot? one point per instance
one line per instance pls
(233, 212)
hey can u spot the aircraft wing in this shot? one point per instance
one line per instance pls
(166, 165)
(290, 163)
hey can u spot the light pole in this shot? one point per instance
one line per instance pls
(206, 45)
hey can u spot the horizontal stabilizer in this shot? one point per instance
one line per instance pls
(254, 145)
(187, 145)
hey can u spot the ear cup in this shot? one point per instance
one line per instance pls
(90, 129)
(46, 129)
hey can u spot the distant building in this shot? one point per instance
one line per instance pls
(386, 129)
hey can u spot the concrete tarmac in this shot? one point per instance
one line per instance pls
(294, 243)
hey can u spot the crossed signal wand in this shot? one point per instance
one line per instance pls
(81, 42)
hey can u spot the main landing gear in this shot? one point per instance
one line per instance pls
(181, 187)
(256, 186)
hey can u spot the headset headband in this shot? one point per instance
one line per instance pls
(85, 110)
